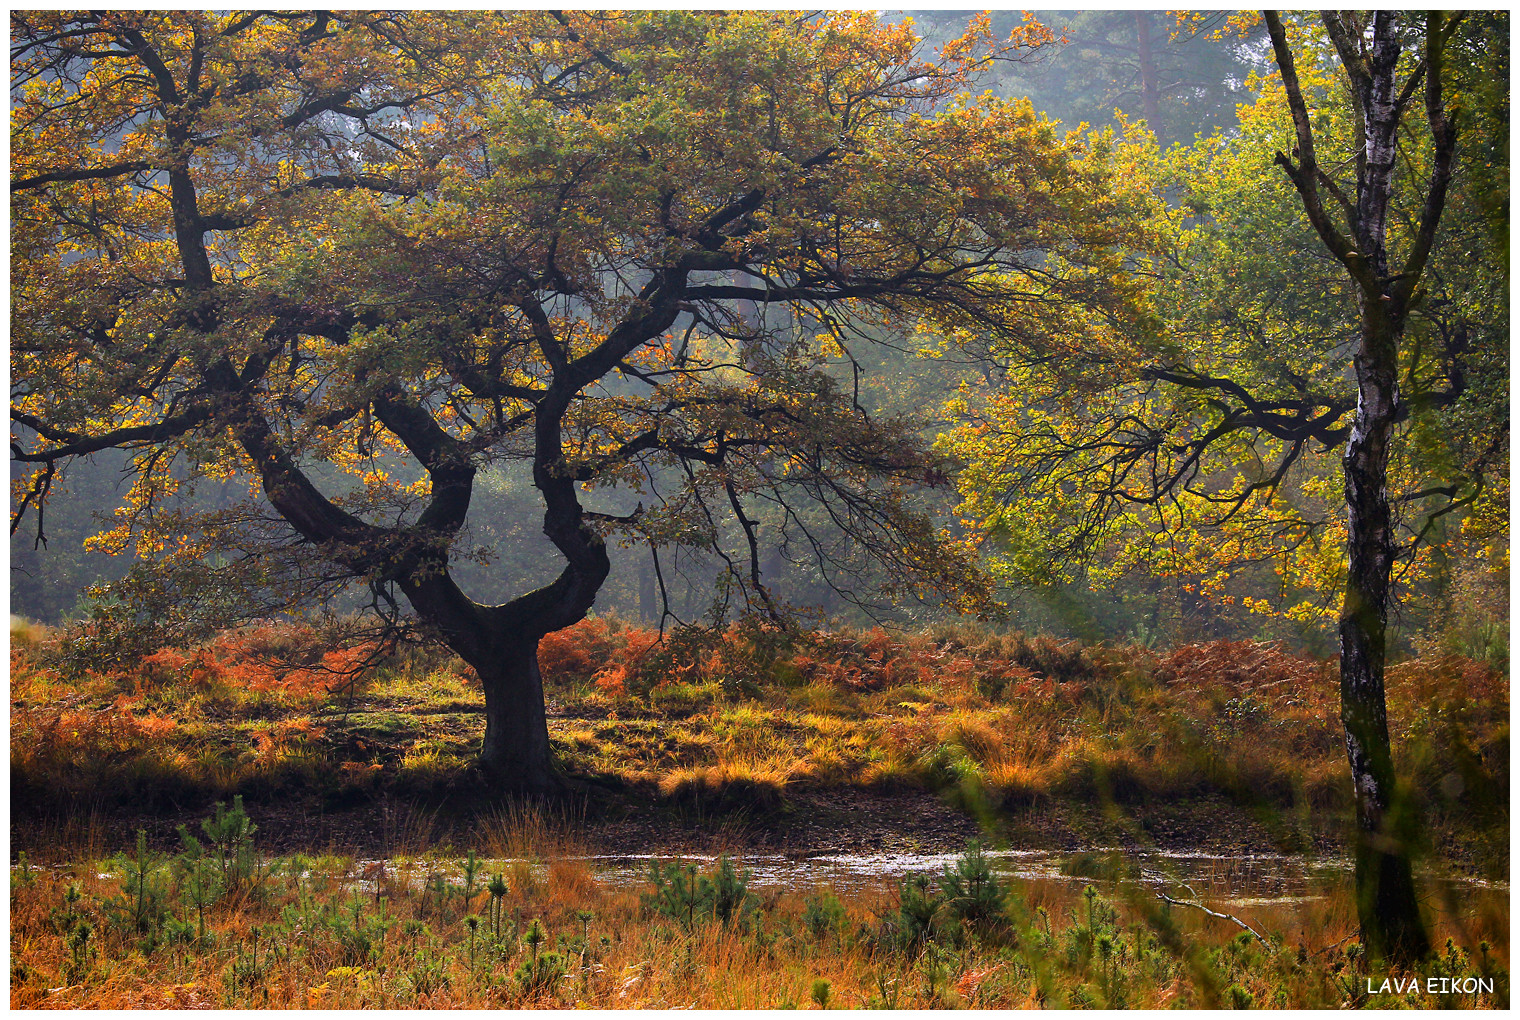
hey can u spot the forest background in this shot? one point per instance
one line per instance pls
(1196, 86)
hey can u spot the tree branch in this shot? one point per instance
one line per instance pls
(76, 445)
(93, 173)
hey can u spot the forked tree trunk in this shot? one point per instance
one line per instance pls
(1386, 903)
(501, 643)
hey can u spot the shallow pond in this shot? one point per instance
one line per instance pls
(1223, 882)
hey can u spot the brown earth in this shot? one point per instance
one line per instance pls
(807, 822)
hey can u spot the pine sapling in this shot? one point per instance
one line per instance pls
(472, 922)
(534, 936)
(498, 890)
(471, 870)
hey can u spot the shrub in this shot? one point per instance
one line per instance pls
(429, 971)
(143, 902)
(1064, 662)
(561, 657)
(918, 907)
(973, 893)
(357, 937)
(732, 903)
(540, 973)
(201, 882)
(823, 916)
(687, 898)
(230, 833)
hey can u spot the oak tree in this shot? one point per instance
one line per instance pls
(307, 249)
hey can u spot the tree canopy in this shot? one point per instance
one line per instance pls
(1345, 297)
(255, 244)
(1211, 444)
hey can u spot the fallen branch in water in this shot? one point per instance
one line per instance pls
(1172, 900)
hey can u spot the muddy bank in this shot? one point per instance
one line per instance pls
(807, 822)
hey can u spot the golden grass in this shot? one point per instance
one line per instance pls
(534, 832)
(617, 952)
(728, 734)
(27, 634)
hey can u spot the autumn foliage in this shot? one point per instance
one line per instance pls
(751, 715)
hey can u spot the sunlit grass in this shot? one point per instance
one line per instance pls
(430, 930)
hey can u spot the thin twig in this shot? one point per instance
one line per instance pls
(1336, 945)
(1161, 893)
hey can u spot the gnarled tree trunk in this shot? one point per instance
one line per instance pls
(515, 752)
(501, 643)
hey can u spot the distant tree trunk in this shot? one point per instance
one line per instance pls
(773, 568)
(748, 311)
(749, 320)
(648, 595)
(1150, 85)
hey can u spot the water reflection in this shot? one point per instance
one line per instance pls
(1241, 880)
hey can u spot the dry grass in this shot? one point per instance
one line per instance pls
(395, 943)
(534, 832)
(725, 727)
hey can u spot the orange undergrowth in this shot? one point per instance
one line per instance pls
(255, 660)
(154, 728)
(738, 717)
